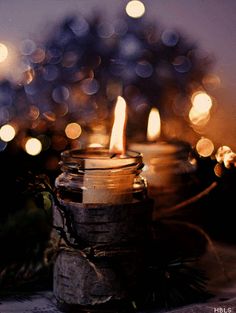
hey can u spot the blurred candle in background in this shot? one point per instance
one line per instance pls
(169, 165)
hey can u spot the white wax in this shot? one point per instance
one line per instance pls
(157, 157)
(106, 178)
(108, 188)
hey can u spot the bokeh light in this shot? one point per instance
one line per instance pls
(90, 86)
(3, 52)
(27, 47)
(76, 74)
(73, 130)
(7, 132)
(28, 76)
(60, 94)
(105, 30)
(199, 114)
(49, 116)
(154, 125)
(144, 69)
(230, 159)
(201, 101)
(198, 118)
(225, 155)
(211, 81)
(221, 152)
(218, 170)
(38, 55)
(170, 37)
(182, 64)
(205, 147)
(135, 9)
(33, 113)
(33, 146)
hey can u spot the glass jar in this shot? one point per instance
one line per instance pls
(95, 176)
(102, 208)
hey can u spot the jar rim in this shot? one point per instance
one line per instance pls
(100, 158)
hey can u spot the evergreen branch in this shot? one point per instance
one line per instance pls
(209, 241)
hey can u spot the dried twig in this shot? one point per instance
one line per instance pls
(169, 211)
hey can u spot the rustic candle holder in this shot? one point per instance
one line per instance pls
(103, 213)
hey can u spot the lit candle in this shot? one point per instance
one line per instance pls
(103, 199)
(100, 177)
(121, 191)
(167, 163)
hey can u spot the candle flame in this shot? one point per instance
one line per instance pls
(154, 125)
(117, 135)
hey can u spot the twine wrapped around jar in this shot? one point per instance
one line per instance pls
(105, 214)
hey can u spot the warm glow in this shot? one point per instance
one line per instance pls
(95, 145)
(135, 9)
(33, 146)
(73, 130)
(199, 114)
(198, 118)
(117, 135)
(7, 132)
(227, 156)
(221, 152)
(205, 147)
(230, 159)
(201, 101)
(10, 67)
(3, 52)
(154, 125)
